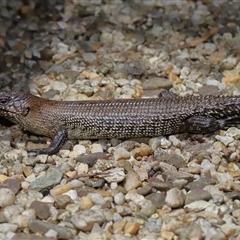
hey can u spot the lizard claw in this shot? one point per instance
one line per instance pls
(33, 152)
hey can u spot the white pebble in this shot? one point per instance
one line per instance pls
(8, 227)
(165, 143)
(80, 149)
(119, 198)
(7, 197)
(95, 147)
(72, 194)
(226, 140)
(121, 153)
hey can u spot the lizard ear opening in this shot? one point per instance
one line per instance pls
(26, 111)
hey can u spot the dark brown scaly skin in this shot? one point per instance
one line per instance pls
(125, 118)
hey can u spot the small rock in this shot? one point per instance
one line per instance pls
(62, 201)
(85, 219)
(226, 140)
(132, 181)
(131, 227)
(116, 175)
(89, 57)
(147, 208)
(85, 203)
(143, 150)
(37, 226)
(97, 198)
(153, 227)
(157, 83)
(119, 225)
(197, 206)
(128, 145)
(161, 186)
(230, 229)
(197, 194)
(133, 196)
(233, 132)
(90, 159)
(26, 236)
(99, 183)
(59, 86)
(121, 153)
(119, 198)
(172, 159)
(175, 198)
(12, 184)
(80, 149)
(209, 90)
(157, 199)
(7, 197)
(145, 190)
(121, 82)
(52, 177)
(96, 148)
(8, 227)
(41, 209)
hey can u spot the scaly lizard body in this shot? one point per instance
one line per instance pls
(124, 118)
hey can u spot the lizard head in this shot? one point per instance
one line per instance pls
(13, 104)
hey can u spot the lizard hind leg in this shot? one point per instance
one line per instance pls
(202, 124)
(229, 122)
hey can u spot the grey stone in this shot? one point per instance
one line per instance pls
(52, 177)
(197, 194)
(157, 83)
(37, 226)
(157, 199)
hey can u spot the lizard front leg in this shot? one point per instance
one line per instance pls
(58, 140)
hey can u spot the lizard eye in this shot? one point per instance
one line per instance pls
(3, 101)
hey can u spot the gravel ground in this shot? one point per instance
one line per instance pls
(176, 187)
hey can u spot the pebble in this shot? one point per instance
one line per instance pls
(121, 153)
(157, 199)
(41, 209)
(52, 177)
(96, 148)
(157, 83)
(62, 201)
(89, 57)
(197, 194)
(12, 184)
(115, 175)
(132, 181)
(145, 190)
(175, 198)
(131, 228)
(226, 140)
(59, 86)
(7, 197)
(90, 159)
(85, 219)
(119, 198)
(40, 226)
(85, 203)
(80, 149)
(147, 207)
(153, 227)
(230, 229)
(8, 227)
(97, 198)
(119, 225)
